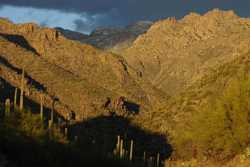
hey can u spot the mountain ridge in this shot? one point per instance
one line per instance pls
(114, 38)
(174, 52)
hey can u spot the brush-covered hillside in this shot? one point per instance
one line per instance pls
(210, 118)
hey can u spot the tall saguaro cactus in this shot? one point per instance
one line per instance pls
(15, 99)
(118, 144)
(52, 117)
(131, 150)
(144, 156)
(22, 91)
(7, 107)
(41, 106)
(121, 149)
(66, 132)
(158, 160)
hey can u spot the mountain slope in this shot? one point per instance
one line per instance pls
(173, 54)
(80, 76)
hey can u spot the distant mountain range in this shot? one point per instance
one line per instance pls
(110, 37)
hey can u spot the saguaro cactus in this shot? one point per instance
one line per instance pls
(15, 99)
(144, 156)
(150, 161)
(52, 116)
(41, 106)
(50, 124)
(131, 150)
(52, 109)
(22, 91)
(118, 144)
(158, 160)
(7, 107)
(66, 132)
(121, 149)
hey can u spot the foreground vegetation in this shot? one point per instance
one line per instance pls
(26, 141)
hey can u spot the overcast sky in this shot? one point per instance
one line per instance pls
(85, 15)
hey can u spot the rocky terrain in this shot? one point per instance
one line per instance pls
(79, 76)
(116, 38)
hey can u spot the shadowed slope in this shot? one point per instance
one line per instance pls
(101, 134)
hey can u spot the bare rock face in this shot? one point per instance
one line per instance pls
(109, 38)
(174, 53)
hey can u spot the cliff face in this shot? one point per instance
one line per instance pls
(175, 53)
(80, 76)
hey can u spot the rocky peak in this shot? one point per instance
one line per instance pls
(27, 28)
(221, 14)
(30, 30)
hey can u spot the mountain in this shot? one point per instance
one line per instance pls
(185, 80)
(115, 38)
(202, 62)
(175, 53)
(80, 77)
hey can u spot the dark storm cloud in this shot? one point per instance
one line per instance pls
(120, 12)
(135, 9)
(93, 6)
